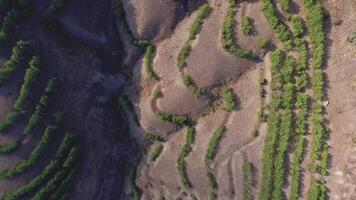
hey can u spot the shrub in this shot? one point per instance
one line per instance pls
(247, 169)
(9, 148)
(156, 151)
(179, 120)
(185, 150)
(34, 156)
(203, 12)
(153, 137)
(296, 168)
(45, 174)
(247, 25)
(228, 35)
(285, 4)
(157, 94)
(183, 55)
(30, 77)
(148, 63)
(263, 43)
(230, 99)
(211, 180)
(9, 120)
(41, 106)
(189, 83)
(213, 144)
(318, 84)
(298, 28)
(16, 57)
(280, 29)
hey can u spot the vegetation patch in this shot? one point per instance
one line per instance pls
(185, 150)
(228, 35)
(213, 144)
(9, 120)
(230, 99)
(12, 63)
(9, 148)
(179, 120)
(285, 4)
(156, 151)
(30, 77)
(148, 62)
(126, 104)
(247, 25)
(189, 83)
(263, 43)
(247, 169)
(135, 191)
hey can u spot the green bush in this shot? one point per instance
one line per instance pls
(213, 144)
(211, 180)
(11, 64)
(179, 120)
(41, 106)
(228, 35)
(185, 150)
(157, 94)
(9, 120)
(296, 169)
(9, 148)
(189, 83)
(30, 77)
(247, 25)
(45, 174)
(203, 12)
(153, 137)
(34, 156)
(318, 84)
(263, 43)
(280, 29)
(230, 99)
(183, 55)
(247, 169)
(156, 151)
(285, 4)
(298, 29)
(148, 62)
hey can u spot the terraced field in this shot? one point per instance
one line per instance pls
(168, 99)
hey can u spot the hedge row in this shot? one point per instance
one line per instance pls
(185, 150)
(247, 169)
(41, 106)
(9, 148)
(120, 14)
(179, 120)
(317, 190)
(148, 62)
(156, 151)
(213, 144)
(9, 120)
(273, 122)
(69, 166)
(11, 64)
(228, 35)
(279, 28)
(230, 99)
(189, 83)
(34, 156)
(48, 172)
(303, 77)
(30, 77)
(184, 53)
(315, 23)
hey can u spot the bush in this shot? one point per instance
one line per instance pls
(247, 169)
(298, 29)
(280, 29)
(41, 106)
(263, 43)
(211, 180)
(153, 137)
(285, 4)
(183, 55)
(247, 25)
(230, 99)
(156, 151)
(189, 83)
(228, 35)
(148, 63)
(9, 148)
(179, 120)
(213, 144)
(157, 94)
(34, 156)
(185, 150)
(16, 57)
(9, 120)
(45, 174)
(203, 12)
(30, 77)
(296, 168)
